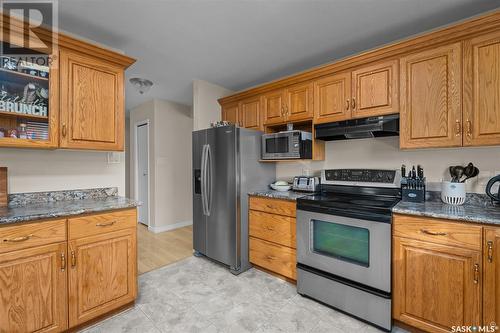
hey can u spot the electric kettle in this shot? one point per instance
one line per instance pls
(494, 196)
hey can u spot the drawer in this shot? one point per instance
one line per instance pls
(276, 258)
(273, 206)
(96, 224)
(438, 231)
(22, 236)
(274, 228)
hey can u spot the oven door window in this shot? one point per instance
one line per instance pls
(277, 145)
(340, 241)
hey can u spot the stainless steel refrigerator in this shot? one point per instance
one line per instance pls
(225, 168)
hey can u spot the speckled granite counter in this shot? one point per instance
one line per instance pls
(289, 195)
(478, 208)
(42, 205)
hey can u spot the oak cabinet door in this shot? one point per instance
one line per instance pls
(299, 102)
(230, 113)
(431, 113)
(250, 113)
(482, 90)
(273, 106)
(33, 289)
(375, 90)
(102, 274)
(332, 98)
(491, 287)
(436, 286)
(92, 103)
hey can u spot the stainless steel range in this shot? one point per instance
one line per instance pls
(344, 242)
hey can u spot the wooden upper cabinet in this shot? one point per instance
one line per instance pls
(375, 90)
(33, 289)
(431, 114)
(436, 286)
(299, 102)
(482, 90)
(250, 114)
(102, 274)
(332, 98)
(92, 103)
(273, 107)
(491, 287)
(230, 113)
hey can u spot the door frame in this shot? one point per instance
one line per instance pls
(136, 167)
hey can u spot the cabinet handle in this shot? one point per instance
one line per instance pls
(458, 127)
(269, 257)
(469, 128)
(107, 224)
(476, 273)
(490, 251)
(73, 259)
(282, 111)
(18, 239)
(353, 103)
(63, 130)
(286, 110)
(269, 228)
(63, 262)
(432, 233)
(347, 104)
(270, 206)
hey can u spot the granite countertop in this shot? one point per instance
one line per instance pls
(26, 207)
(288, 195)
(478, 208)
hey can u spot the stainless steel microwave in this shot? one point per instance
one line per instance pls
(286, 145)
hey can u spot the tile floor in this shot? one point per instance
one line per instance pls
(196, 295)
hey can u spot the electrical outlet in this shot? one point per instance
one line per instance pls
(114, 158)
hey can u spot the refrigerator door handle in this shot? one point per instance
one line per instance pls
(208, 166)
(204, 179)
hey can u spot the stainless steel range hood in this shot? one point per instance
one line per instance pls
(359, 128)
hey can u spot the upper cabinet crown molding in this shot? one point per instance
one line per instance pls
(446, 35)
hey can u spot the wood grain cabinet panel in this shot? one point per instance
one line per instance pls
(332, 98)
(491, 287)
(102, 274)
(375, 90)
(436, 286)
(274, 257)
(92, 103)
(482, 90)
(230, 113)
(431, 113)
(97, 224)
(33, 289)
(274, 228)
(273, 106)
(250, 114)
(273, 206)
(299, 102)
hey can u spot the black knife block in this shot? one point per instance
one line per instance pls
(413, 190)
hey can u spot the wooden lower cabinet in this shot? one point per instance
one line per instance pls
(491, 287)
(102, 274)
(33, 289)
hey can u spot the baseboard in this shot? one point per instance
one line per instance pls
(170, 226)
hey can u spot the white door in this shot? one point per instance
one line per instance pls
(143, 172)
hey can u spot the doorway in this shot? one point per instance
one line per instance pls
(142, 171)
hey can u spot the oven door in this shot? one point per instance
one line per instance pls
(354, 249)
(279, 145)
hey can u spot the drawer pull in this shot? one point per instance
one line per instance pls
(270, 206)
(490, 251)
(432, 233)
(476, 273)
(105, 224)
(269, 257)
(18, 239)
(269, 228)
(63, 261)
(73, 259)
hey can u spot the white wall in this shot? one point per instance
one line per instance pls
(206, 109)
(170, 130)
(385, 153)
(51, 170)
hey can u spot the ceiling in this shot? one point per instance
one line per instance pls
(241, 43)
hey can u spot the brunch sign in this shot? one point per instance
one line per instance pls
(23, 108)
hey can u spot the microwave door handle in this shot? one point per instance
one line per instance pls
(209, 180)
(203, 179)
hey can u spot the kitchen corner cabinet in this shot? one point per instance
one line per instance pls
(92, 103)
(491, 288)
(431, 98)
(482, 90)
